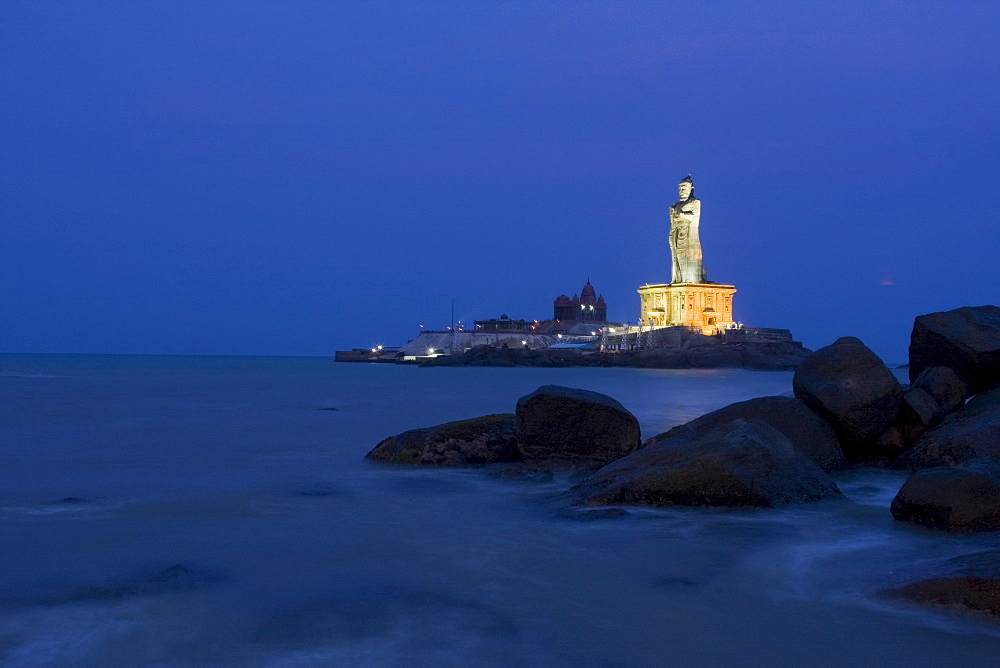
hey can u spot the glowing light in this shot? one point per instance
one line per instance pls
(524, 343)
(611, 329)
(379, 347)
(430, 351)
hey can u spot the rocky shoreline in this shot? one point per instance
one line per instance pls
(690, 351)
(848, 411)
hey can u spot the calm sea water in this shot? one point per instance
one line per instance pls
(188, 511)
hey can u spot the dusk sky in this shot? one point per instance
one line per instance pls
(293, 178)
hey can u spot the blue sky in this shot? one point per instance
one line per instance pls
(299, 177)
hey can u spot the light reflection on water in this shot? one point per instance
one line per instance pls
(235, 471)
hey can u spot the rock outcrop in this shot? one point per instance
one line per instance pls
(557, 423)
(966, 339)
(714, 357)
(970, 582)
(661, 358)
(971, 432)
(482, 440)
(807, 432)
(935, 393)
(849, 386)
(739, 463)
(773, 361)
(963, 498)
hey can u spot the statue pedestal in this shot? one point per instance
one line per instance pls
(704, 306)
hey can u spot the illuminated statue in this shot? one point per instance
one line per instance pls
(685, 244)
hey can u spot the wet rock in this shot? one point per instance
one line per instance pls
(482, 440)
(561, 423)
(971, 432)
(963, 498)
(808, 433)
(970, 582)
(739, 463)
(948, 389)
(917, 412)
(848, 385)
(966, 339)
(935, 393)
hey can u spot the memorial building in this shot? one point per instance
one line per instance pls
(690, 299)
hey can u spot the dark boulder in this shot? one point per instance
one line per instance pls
(848, 385)
(737, 464)
(970, 582)
(948, 389)
(562, 423)
(971, 432)
(809, 433)
(966, 339)
(482, 440)
(963, 498)
(936, 392)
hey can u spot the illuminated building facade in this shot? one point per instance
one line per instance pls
(587, 307)
(705, 306)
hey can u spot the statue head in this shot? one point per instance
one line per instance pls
(685, 189)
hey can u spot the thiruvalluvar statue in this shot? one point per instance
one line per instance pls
(685, 244)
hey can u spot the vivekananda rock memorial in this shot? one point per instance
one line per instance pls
(686, 323)
(690, 299)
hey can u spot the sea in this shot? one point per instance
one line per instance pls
(189, 511)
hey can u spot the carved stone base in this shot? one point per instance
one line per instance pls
(704, 306)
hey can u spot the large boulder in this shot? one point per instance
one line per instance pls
(566, 424)
(808, 433)
(848, 385)
(971, 582)
(739, 463)
(966, 339)
(946, 387)
(963, 498)
(971, 432)
(935, 393)
(482, 440)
